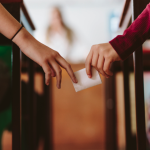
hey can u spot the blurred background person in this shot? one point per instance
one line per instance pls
(61, 38)
(59, 35)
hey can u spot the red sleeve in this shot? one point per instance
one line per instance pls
(134, 36)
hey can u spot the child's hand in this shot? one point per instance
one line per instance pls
(101, 56)
(47, 58)
(51, 61)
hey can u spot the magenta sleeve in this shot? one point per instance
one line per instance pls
(134, 36)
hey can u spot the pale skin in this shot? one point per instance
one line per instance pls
(100, 57)
(48, 59)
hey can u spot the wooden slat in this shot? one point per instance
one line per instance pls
(32, 106)
(124, 12)
(138, 7)
(130, 142)
(111, 122)
(48, 124)
(139, 94)
(16, 101)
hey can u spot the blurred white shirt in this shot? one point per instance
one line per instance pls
(74, 52)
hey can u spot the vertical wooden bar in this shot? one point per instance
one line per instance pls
(48, 118)
(138, 7)
(139, 94)
(16, 101)
(129, 139)
(111, 127)
(32, 106)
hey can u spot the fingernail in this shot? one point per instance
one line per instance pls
(47, 83)
(58, 86)
(76, 81)
(89, 76)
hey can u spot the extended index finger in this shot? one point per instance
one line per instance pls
(63, 63)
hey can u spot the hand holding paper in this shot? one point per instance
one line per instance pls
(84, 82)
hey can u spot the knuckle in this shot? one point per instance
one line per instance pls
(58, 54)
(107, 57)
(106, 69)
(68, 66)
(44, 61)
(101, 72)
(99, 68)
(94, 65)
(93, 47)
(101, 50)
(55, 54)
(60, 71)
(48, 72)
(97, 46)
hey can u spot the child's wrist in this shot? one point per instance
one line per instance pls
(23, 39)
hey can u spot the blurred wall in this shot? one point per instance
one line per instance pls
(88, 19)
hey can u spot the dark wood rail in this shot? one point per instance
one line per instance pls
(19, 11)
(10, 1)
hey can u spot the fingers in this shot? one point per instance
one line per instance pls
(100, 65)
(95, 60)
(54, 69)
(107, 64)
(88, 65)
(53, 74)
(58, 72)
(101, 56)
(47, 69)
(68, 68)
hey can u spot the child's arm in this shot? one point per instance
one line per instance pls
(102, 55)
(49, 59)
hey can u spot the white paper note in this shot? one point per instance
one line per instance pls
(84, 81)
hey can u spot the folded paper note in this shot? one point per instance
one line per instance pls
(84, 81)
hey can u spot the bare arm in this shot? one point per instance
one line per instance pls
(49, 59)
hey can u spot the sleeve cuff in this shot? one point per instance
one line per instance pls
(118, 47)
